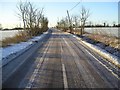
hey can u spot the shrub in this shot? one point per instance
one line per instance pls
(20, 37)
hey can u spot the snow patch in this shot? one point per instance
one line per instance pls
(104, 53)
(112, 58)
(16, 49)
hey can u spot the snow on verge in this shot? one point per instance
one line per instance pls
(112, 58)
(10, 52)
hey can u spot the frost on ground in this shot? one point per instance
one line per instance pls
(103, 52)
(114, 59)
(8, 33)
(16, 49)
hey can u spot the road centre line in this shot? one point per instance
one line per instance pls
(64, 76)
(64, 72)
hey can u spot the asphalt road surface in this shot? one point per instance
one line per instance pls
(60, 61)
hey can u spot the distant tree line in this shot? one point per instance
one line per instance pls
(80, 21)
(0, 26)
(34, 21)
(75, 21)
(100, 25)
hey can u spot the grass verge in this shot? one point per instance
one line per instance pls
(20, 37)
(109, 41)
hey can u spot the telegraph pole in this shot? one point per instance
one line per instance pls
(69, 22)
(69, 17)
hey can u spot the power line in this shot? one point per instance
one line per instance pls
(74, 6)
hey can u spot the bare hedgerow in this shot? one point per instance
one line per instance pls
(20, 37)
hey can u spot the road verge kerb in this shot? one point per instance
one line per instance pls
(111, 58)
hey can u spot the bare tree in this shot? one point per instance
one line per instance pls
(114, 24)
(63, 24)
(44, 23)
(39, 17)
(22, 12)
(84, 15)
(75, 21)
(31, 17)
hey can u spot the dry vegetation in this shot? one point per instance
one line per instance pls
(110, 41)
(20, 37)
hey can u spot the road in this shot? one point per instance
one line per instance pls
(60, 61)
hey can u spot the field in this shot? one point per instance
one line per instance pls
(109, 31)
(8, 33)
(109, 36)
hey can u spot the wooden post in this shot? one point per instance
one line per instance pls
(69, 22)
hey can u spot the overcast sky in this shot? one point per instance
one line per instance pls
(100, 11)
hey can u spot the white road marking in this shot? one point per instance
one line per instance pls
(71, 51)
(64, 73)
(103, 65)
(98, 61)
(85, 73)
(29, 85)
(64, 76)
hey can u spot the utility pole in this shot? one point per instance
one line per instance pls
(69, 22)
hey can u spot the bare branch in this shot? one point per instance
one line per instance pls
(84, 15)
